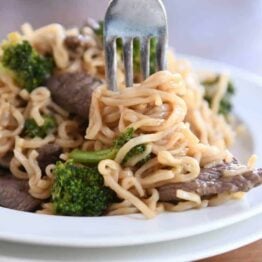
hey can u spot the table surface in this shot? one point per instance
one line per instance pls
(225, 30)
(252, 252)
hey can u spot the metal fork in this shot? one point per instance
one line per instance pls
(129, 20)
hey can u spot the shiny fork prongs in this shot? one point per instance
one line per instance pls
(134, 27)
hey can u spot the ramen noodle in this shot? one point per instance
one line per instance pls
(167, 111)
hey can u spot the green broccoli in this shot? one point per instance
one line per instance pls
(136, 56)
(137, 150)
(124, 137)
(94, 157)
(28, 68)
(136, 50)
(31, 129)
(225, 106)
(79, 190)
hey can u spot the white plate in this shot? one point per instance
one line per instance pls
(131, 230)
(187, 249)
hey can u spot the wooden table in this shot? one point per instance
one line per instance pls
(250, 253)
(226, 30)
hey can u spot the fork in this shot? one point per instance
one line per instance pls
(129, 20)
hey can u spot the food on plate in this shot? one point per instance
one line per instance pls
(73, 91)
(215, 180)
(69, 146)
(27, 67)
(14, 193)
(79, 190)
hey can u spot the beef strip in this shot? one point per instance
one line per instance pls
(14, 193)
(73, 91)
(48, 154)
(5, 160)
(211, 181)
(73, 42)
(84, 40)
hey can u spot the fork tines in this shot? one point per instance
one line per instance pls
(126, 20)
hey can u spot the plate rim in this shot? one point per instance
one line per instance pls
(233, 245)
(247, 236)
(128, 241)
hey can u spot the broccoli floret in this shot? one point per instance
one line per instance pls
(152, 54)
(94, 157)
(137, 150)
(145, 160)
(136, 50)
(79, 190)
(123, 138)
(32, 129)
(28, 68)
(225, 106)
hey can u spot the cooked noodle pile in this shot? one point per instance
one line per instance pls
(159, 110)
(167, 111)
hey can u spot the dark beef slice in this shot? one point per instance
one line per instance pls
(73, 91)
(73, 42)
(211, 181)
(14, 193)
(5, 160)
(48, 154)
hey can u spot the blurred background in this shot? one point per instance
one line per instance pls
(225, 30)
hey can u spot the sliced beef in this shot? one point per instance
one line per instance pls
(73, 91)
(211, 181)
(5, 160)
(73, 42)
(14, 193)
(48, 154)
(84, 40)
